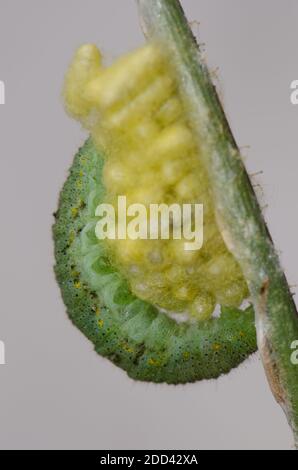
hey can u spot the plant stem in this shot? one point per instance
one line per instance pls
(238, 212)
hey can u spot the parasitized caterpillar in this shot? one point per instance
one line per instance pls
(131, 332)
(158, 131)
(123, 293)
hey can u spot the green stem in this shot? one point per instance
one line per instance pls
(238, 212)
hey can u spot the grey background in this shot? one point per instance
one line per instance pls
(55, 392)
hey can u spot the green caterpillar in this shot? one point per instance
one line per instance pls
(147, 305)
(130, 332)
(158, 134)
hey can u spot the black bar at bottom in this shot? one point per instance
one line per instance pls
(136, 458)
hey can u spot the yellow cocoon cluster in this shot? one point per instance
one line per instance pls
(135, 112)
